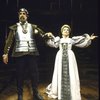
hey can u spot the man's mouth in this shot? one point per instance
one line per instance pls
(22, 18)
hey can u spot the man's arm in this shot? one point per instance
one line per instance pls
(37, 30)
(7, 47)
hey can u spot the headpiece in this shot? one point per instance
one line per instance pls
(67, 26)
(23, 10)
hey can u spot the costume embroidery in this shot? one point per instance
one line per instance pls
(65, 89)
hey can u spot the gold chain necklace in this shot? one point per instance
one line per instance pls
(24, 28)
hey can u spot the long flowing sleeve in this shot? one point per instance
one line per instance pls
(53, 42)
(81, 41)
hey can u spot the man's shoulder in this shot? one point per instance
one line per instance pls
(33, 25)
(13, 27)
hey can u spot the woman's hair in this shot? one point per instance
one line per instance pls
(67, 26)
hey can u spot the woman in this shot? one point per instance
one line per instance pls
(65, 83)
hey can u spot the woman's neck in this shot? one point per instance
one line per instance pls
(65, 36)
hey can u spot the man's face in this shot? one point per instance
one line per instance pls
(22, 16)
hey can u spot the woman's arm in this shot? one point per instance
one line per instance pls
(83, 41)
(52, 41)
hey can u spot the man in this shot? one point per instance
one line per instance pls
(24, 52)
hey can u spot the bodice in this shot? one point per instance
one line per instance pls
(64, 42)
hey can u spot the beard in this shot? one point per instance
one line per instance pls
(22, 19)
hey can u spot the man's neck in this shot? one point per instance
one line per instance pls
(22, 23)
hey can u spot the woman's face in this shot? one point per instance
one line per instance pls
(65, 32)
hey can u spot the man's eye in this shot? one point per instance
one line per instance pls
(23, 13)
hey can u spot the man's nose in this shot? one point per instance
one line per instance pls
(21, 15)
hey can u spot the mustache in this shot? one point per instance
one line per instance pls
(22, 18)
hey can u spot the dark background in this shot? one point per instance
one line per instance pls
(50, 15)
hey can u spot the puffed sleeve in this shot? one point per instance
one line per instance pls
(81, 41)
(53, 42)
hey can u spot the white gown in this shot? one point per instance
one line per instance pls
(54, 88)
